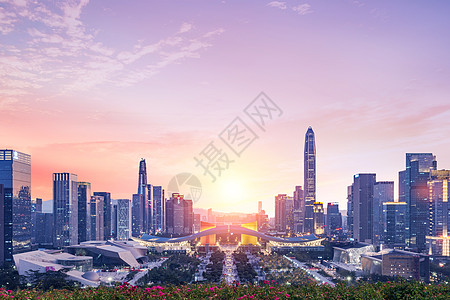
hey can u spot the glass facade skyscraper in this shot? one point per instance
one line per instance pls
(65, 209)
(107, 213)
(414, 191)
(309, 180)
(15, 209)
(158, 209)
(84, 211)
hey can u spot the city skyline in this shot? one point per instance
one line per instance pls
(85, 91)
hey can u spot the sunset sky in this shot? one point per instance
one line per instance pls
(90, 87)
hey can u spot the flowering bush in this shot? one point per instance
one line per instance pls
(268, 290)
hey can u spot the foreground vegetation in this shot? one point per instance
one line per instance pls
(268, 290)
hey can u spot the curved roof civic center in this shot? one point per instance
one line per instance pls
(235, 229)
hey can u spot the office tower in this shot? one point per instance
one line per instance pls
(309, 180)
(211, 217)
(280, 213)
(114, 221)
(362, 200)
(15, 208)
(319, 218)
(197, 223)
(158, 209)
(299, 209)
(259, 206)
(107, 214)
(262, 220)
(394, 221)
(84, 211)
(179, 215)
(97, 218)
(383, 191)
(123, 219)
(438, 238)
(334, 219)
(149, 208)
(289, 214)
(138, 211)
(415, 190)
(38, 205)
(350, 211)
(65, 209)
(44, 230)
(146, 196)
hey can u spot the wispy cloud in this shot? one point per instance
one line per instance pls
(58, 49)
(302, 9)
(277, 4)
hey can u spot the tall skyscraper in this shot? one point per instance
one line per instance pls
(65, 209)
(362, 201)
(84, 211)
(299, 209)
(383, 191)
(179, 215)
(334, 219)
(414, 191)
(394, 220)
(138, 212)
(281, 213)
(144, 189)
(15, 205)
(107, 214)
(309, 179)
(123, 219)
(158, 209)
(438, 238)
(97, 218)
(350, 211)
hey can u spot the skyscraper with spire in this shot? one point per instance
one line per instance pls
(140, 211)
(309, 180)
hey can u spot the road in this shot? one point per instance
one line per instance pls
(314, 274)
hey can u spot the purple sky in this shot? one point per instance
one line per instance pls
(91, 87)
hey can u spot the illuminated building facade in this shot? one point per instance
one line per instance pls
(107, 214)
(362, 204)
(281, 212)
(309, 180)
(299, 209)
(248, 239)
(334, 219)
(208, 239)
(414, 191)
(319, 218)
(123, 219)
(383, 191)
(158, 206)
(394, 222)
(439, 215)
(97, 218)
(15, 206)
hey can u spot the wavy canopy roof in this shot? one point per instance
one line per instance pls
(236, 229)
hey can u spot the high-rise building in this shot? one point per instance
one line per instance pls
(97, 218)
(197, 222)
(84, 211)
(362, 201)
(107, 207)
(383, 191)
(158, 209)
(309, 180)
(149, 208)
(319, 218)
(65, 210)
(299, 209)
(350, 211)
(44, 230)
(438, 238)
(413, 190)
(138, 212)
(259, 206)
(144, 189)
(394, 221)
(334, 220)
(38, 205)
(179, 215)
(289, 214)
(114, 220)
(15, 205)
(281, 213)
(123, 219)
